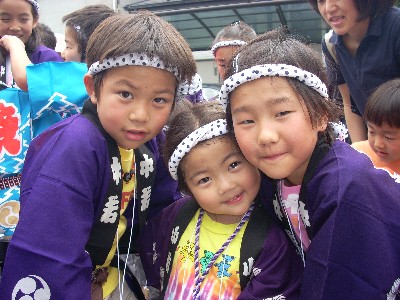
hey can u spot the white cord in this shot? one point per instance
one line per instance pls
(121, 286)
(301, 239)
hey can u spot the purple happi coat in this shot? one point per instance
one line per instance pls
(67, 176)
(351, 211)
(279, 267)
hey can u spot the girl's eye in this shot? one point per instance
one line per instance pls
(160, 100)
(370, 132)
(282, 114)
(244, 122)
(389, 138)
(126, 95)
(234, 165)
(204, 180)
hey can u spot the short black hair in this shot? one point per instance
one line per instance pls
(383, 105)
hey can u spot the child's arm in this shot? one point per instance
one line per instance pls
(277, 271)
(354, 122)
(59, 185)
(19, 59)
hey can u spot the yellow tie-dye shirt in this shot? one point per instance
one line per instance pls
(223, 281)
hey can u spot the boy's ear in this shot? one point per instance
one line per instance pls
(89, 84)
(322, 123)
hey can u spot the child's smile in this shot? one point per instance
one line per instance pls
(273, 130)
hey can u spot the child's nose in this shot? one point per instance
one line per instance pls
(267, 135)
(225, 184)
(15, 25)
(379, 142)
(138, 113)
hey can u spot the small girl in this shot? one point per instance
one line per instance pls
(79, 25)
(227, 41)
(341, 212)
(382, 114)
(217, 243)
(19, 18)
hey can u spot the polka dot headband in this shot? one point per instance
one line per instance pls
(206, 132)
(259, 71)
(34, 4)
(132, 59)
(192, 87)
(227, 43)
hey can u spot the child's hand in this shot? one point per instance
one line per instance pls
(10, 42)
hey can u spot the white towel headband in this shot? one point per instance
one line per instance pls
(138, 59)
(34, 4)
(192, 87)
(227, 43)
(259, 71)
(131, 59)
(206, 132)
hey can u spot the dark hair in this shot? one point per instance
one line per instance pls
(34, 40)
(47, 36)
(238, 30)
(140, 32)
(366, 8)
(84, 21)
(190, 118)
(279, 47)
(383, 105)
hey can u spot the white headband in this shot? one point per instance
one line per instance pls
(206, 132)
(34, 4)
(227, 43)
(132, 59)
(259, 71)
(192, 87)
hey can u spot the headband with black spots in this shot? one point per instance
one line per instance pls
(227, 43)
(131, 59)
(206, 132)
(259, 71)
(192, 87)
(35, 5)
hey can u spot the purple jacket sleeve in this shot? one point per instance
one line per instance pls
(64, 174)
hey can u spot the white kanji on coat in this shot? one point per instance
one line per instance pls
(110, 211)
(304, 214)
(167, 266)
(175, 235)
(146, 166)
(116, 170)
(248, 266)
(146, 193)
(394, 291)
(154, 253)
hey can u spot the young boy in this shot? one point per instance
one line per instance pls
(89, 179)
(382, 114)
